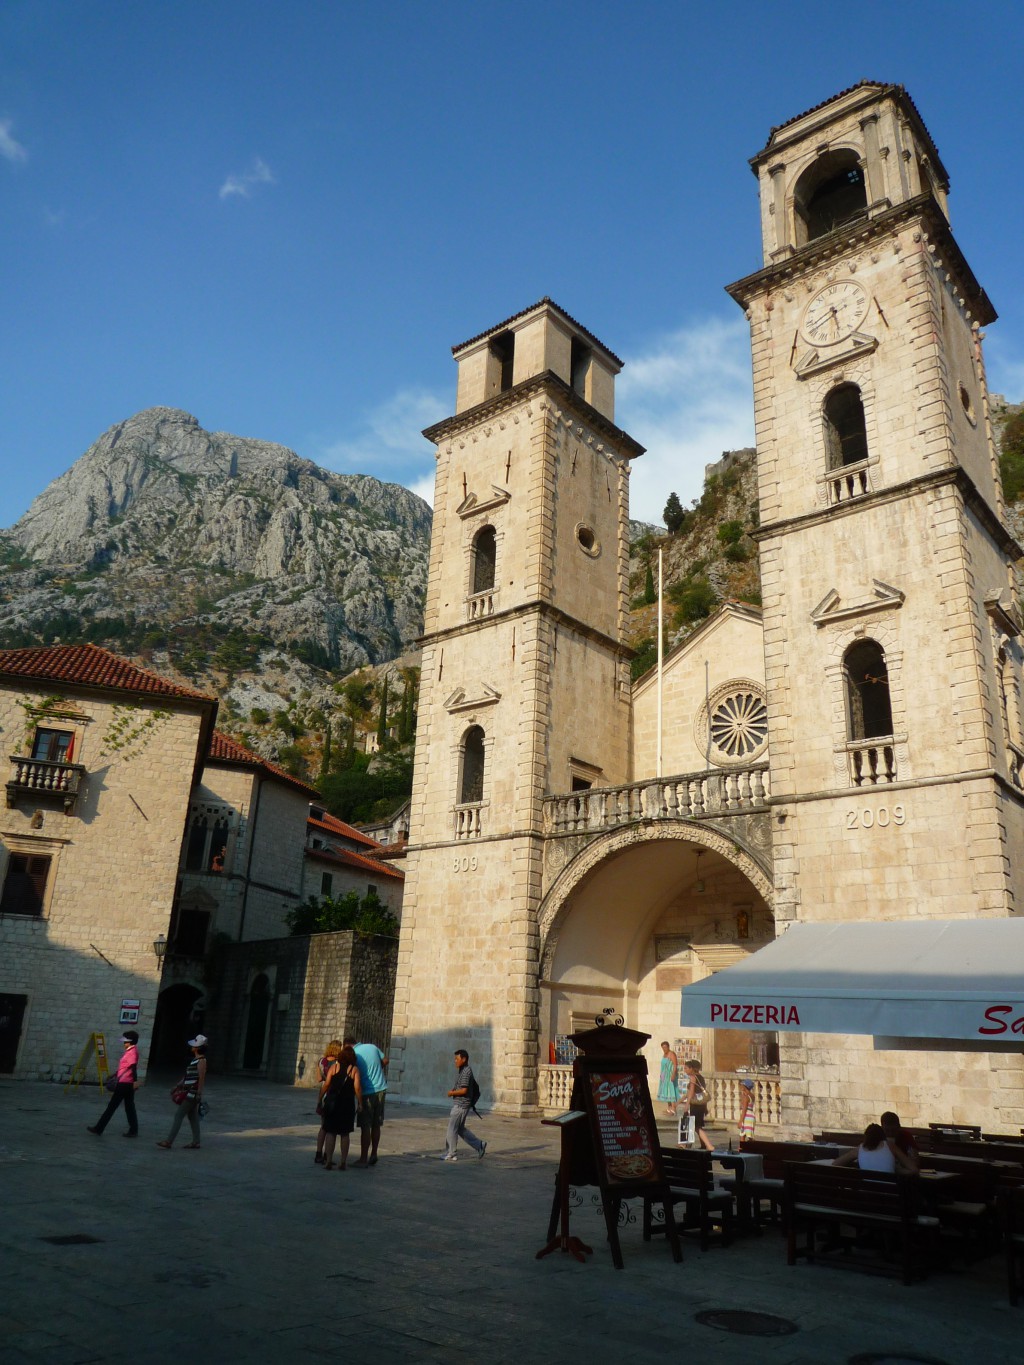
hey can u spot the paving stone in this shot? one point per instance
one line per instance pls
(421, 1261)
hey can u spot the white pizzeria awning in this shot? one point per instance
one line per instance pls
(956, 979)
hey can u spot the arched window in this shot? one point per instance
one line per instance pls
(485, 552)
(845, 433)
(828, 194)
(868, 708)
(471, 785)
(195, 853)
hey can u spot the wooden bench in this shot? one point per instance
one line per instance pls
(842, 1200)
(691, 1183)
(768, 1188)
(1011, 1208)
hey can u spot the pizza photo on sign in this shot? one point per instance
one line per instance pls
(638, 1166)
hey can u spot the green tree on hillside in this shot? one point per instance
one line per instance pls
(673, 513)
(1011, 460)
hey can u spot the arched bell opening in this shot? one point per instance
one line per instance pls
(831, 192)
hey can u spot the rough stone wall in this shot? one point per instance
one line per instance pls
(323, 986)
(112, 876)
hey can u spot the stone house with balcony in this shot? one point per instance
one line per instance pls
(341, 858)
(241, 869)
(102, 760)
(581, 845)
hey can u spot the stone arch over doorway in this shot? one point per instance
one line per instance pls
(639, 913)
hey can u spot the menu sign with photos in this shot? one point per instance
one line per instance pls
(624, 1125)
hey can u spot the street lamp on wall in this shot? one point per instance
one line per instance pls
(160, 948)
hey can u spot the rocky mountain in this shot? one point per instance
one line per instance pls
(225, 559)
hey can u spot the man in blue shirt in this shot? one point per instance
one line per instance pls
(371, 1062)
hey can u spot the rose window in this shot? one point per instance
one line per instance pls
(738, 725)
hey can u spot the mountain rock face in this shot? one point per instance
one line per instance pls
(203, 552)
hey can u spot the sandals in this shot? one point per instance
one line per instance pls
(164, 1144)
(191, 1147)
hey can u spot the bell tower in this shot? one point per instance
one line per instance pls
(892, 634)
(524, 690)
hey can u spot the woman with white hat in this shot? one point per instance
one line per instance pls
(188, 1094)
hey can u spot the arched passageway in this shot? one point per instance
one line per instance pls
(635, 918)
(179, 1017)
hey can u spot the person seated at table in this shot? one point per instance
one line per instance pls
(896, 1133)
(877, 1153)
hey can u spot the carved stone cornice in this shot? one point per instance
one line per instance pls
(473, 506)
(546, 381)
(831, 609)
(459, 701)
(853, 235)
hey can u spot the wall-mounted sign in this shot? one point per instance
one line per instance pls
(130, 1010)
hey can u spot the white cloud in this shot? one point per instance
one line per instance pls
(388, 443)
(10, 148)
(687, 398)
(245, 182)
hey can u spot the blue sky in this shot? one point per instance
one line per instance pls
(280, 216)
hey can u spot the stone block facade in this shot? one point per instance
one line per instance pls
(104, 865)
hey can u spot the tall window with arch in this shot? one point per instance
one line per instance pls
(869, 710)
(846, 434)
(471, 778)
(869, 714)
(485, 555)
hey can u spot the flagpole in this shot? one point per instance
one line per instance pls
(661, 654)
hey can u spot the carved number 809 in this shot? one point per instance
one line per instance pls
(882, 817)
(467, 863)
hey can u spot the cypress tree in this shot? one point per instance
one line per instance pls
(382, 721)
(649, 596)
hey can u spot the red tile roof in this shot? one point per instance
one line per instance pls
(91, 666)
(346, 857)
(228, 751)
(330, 824)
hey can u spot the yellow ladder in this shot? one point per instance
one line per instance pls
(96, 1045)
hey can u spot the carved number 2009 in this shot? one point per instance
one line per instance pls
(882, 817)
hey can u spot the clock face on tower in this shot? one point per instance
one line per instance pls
(834, 312)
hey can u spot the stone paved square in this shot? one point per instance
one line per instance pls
(246, 1251)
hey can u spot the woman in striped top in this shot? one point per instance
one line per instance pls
(192, 1083)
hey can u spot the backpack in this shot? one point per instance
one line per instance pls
(473, 1094)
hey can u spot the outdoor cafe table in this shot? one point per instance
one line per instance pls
(748, 1166)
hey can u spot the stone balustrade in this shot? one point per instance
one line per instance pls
(480, 604)
(468, 820)
(846, 484)
(41, 777)
(555, 1088)
(872, 762)
(690, 796)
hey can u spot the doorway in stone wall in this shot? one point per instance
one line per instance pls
(257, 1024)
(12, 1014)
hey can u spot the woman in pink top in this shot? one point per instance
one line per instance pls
(126, 1082)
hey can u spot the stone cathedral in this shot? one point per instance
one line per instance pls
(852, 752)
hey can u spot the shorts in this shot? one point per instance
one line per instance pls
(372, 1113)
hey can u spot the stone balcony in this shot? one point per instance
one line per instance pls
(688, 796)
(43, 780)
